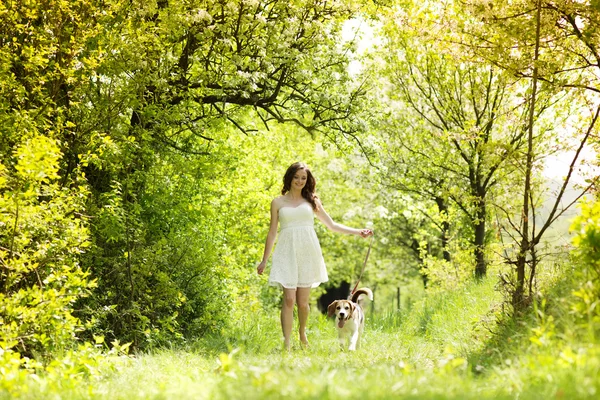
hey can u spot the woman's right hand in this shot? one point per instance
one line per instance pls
(365, 233)
(261, 267)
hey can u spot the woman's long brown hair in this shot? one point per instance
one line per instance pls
(308, 191)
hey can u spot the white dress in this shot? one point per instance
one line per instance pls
(297, 259)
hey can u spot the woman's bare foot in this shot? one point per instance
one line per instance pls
(304, 341)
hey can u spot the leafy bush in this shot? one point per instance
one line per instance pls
(155, 247)
(587, 228)
(79, 368)
(586, 298)
(42, 235)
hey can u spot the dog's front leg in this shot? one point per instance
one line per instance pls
(342, 342)
(354, 341)
(360, 334)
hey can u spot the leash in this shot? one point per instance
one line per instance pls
(364, 265)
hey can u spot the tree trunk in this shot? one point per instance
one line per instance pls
(518, 295)
(518, 300)
(480, 264)
(445, 234)
(415, 247)
(479, 191)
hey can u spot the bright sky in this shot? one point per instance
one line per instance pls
(557, 166)
(361, 32)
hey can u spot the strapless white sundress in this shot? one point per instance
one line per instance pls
(297, 258)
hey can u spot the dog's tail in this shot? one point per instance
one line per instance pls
(360, 292)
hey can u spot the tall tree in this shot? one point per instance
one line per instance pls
(459, 123)
(556, 44)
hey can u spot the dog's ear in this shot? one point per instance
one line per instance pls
(331, 308)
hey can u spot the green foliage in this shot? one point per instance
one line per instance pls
(43, 236)
(156, 257)
(569, 32)
(77, 369)
(48, 53)
(586, 304)
(587, 228)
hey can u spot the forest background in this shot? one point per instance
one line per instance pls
(141, 143)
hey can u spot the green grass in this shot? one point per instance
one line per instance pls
(449, 346)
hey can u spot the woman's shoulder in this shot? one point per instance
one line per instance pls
(278, 201)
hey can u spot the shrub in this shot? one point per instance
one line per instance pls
(42, 234)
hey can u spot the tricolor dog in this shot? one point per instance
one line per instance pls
(349, 318)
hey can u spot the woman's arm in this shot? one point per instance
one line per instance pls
(271, 236)
(335, 227)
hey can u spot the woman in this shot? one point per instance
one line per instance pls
(298, 263)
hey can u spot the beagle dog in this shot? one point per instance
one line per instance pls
(349, 318)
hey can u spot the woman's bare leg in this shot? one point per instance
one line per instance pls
(302, 299)
(287, 315)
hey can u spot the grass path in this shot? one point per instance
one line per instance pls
(421, 356)
(442, 349)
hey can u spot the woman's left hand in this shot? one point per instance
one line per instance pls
(366, 233)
